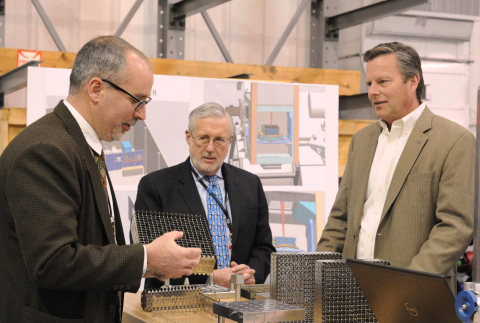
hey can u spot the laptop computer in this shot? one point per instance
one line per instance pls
(403, 295)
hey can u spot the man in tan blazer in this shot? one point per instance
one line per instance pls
(63, 256)
(408, 189)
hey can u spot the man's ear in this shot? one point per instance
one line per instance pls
(414, 82)
(94, 89)
(187, 136)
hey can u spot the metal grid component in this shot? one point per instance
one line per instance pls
(338, 298)
(292, 278)
(179, 299)
(147, 226)
(258, 311)
(251, 291)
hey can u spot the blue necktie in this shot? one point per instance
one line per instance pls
(216, 221)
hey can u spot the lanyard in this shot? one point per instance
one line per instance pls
(227, 217)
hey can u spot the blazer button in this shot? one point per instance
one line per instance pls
(128, 287)
(115, 287)
(122, 287)
(111, 308)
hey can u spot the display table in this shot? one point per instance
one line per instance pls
(133, 313)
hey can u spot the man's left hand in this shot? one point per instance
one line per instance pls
(222, 276)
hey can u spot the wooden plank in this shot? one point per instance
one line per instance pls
(346, 129)
(12, 121)
(17, 116)
(348, 81)
(3, 129)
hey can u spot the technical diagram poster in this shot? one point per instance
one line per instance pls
(287, 134)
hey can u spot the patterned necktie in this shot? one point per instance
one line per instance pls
(216, 222)
(102, 168)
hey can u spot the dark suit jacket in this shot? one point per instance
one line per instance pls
(59, 261)
(173, 190)
(427, 220)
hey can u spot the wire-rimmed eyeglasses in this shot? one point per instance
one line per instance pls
(205, 140)
(141, 103)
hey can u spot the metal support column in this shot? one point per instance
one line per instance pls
(128, 18)
(217, 37)
(323, 45)
(2, 24)
(326, 23)
(171, 24)
(287, 32)
(48, 24)
(368, 13)
(171, 37)
(476, 228)
(185, 8)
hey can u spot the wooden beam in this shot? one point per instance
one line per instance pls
(348, 81)
(12, 121)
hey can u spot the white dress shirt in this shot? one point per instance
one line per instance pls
(389, 149)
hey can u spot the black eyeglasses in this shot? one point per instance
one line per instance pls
(141, 103)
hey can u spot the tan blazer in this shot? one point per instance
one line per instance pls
(427, 221)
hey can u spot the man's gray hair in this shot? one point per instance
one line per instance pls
(408, 61)
(104, 57)
(209, 110)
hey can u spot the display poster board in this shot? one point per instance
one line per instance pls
(287, 134)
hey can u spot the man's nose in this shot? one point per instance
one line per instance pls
(140, 113)
(372, 90)
(211, 146)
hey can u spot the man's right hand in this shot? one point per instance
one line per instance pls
(166, 259)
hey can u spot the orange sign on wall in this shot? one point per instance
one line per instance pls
(25, 56)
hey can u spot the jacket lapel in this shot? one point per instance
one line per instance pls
(363, 162)
(233, 190)
(188, 190)
(410, 153)
(99, 194)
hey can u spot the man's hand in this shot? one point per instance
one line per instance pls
(166, 259)
(222, 276)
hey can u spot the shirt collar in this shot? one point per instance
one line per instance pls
(219, 173)
(88, 132)
(407, 122)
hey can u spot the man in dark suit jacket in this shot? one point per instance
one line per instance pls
(61, 258)
(177, 190)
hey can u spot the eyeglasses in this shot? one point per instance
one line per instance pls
(141, 103)
(205, 140)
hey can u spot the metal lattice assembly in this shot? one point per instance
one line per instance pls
(338, 298)
(251, 291)
(259, 311)
(292, 278)
(147, 226)
(178, 299)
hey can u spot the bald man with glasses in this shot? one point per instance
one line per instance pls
(232, 200)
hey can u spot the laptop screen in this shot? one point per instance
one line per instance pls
(403, 295)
